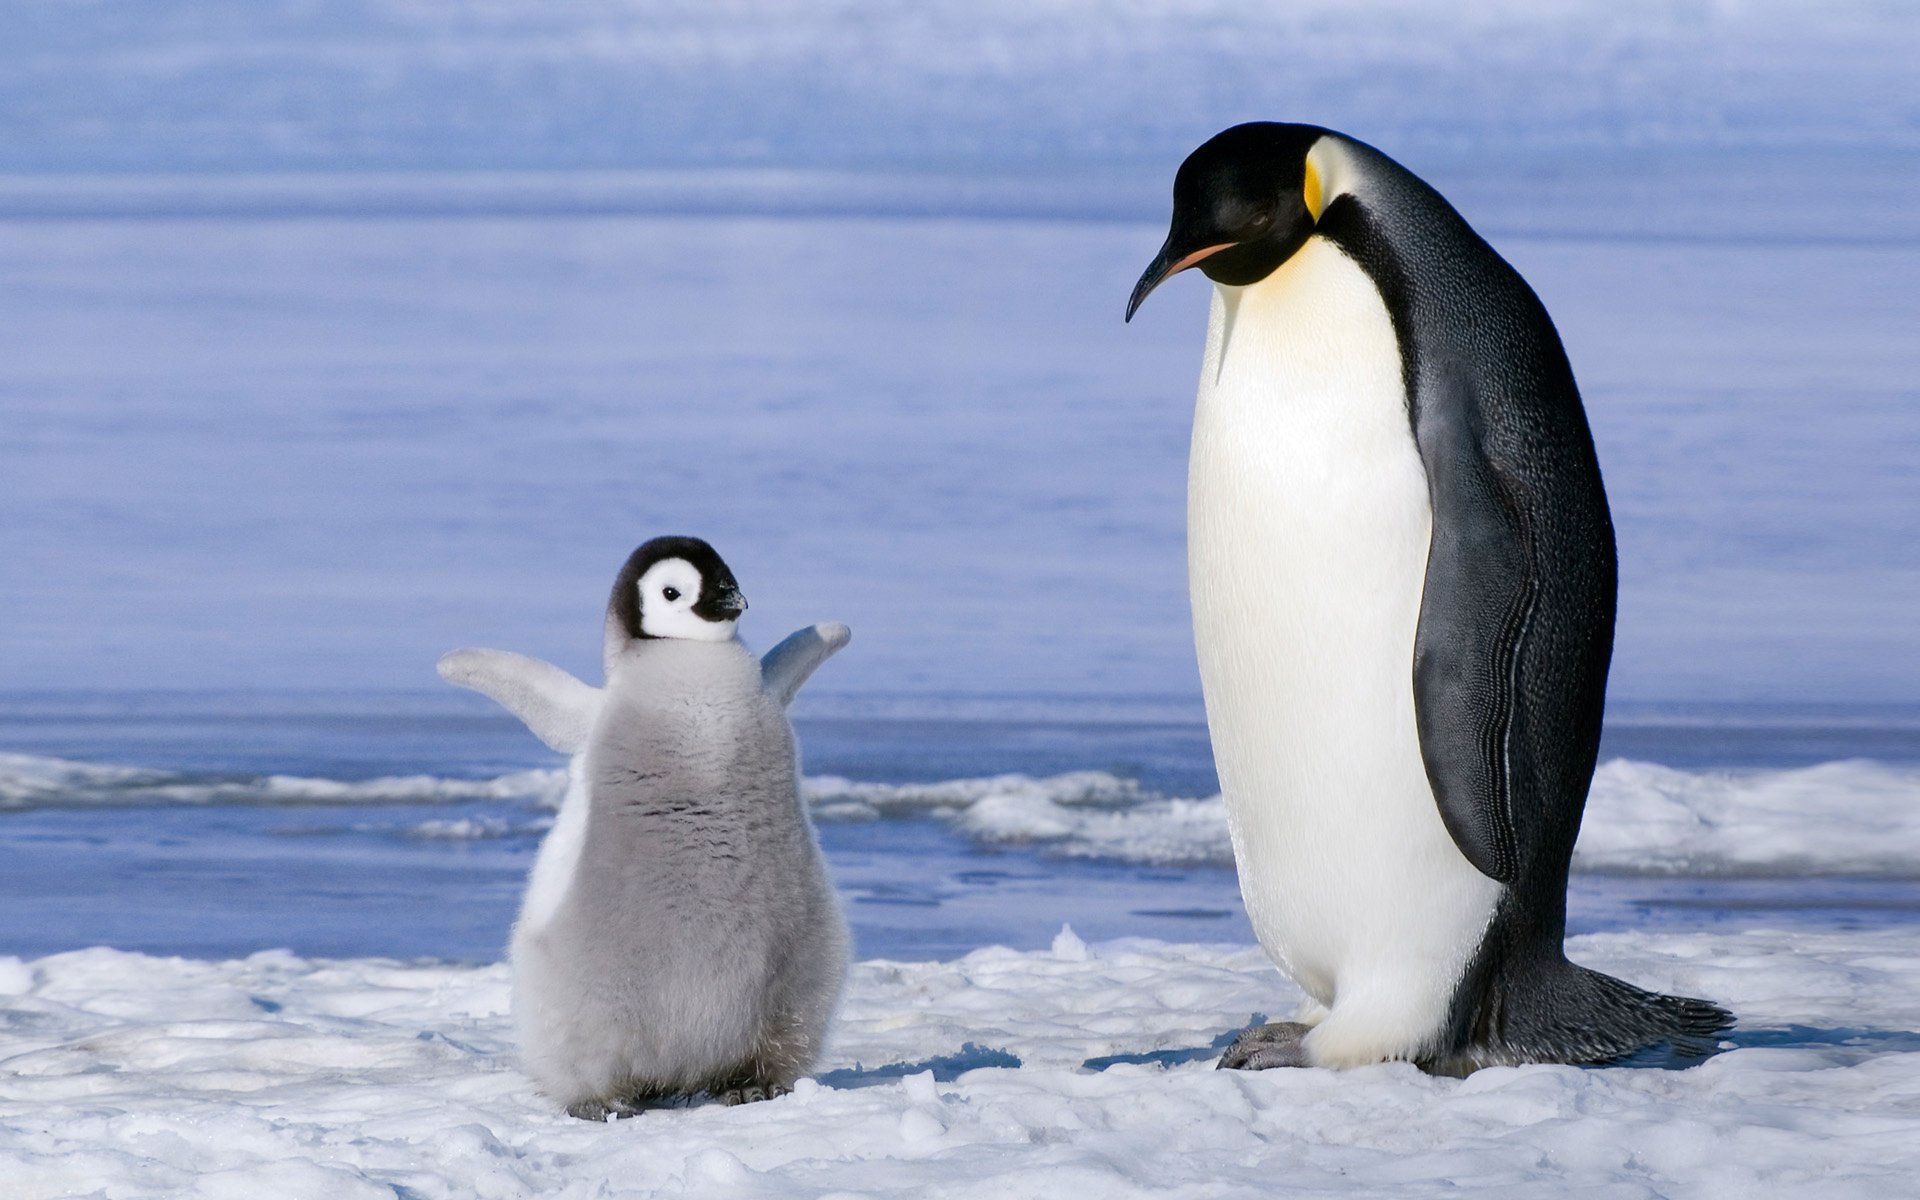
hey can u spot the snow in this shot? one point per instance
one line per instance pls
(1839, 818)
(36, 781)
(1083, 1069)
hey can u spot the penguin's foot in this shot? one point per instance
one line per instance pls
(748, 1095)
(1263, 1046)
(604, 1110)
(619, 1108)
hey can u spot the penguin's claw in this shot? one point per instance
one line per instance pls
(619, 1108)
(1263, 1046)
(603, 1110)
(749, 1095)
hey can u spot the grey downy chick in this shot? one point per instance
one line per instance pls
(679, 934)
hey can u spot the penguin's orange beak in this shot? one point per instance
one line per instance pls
(1165, 265)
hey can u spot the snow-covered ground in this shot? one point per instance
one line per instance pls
(1082, 1071)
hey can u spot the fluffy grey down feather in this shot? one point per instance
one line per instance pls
(697, 944)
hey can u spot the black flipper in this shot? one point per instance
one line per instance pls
(1516, 617)
(1480, 599)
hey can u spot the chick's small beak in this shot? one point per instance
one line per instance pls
(731, 602)
(1165, 265)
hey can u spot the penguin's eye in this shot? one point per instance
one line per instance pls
(671, 593)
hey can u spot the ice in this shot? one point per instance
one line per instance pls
(1083, 814)
(466, 829)
(37, 781)
(999, 1074)
(1840, 818)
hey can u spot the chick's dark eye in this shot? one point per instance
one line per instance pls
(672, 593)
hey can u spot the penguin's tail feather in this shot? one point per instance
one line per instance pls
(1560, 1012)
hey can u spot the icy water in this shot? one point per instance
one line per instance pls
(249, 457)
(270, 448)
(291, 452)
(355, 825)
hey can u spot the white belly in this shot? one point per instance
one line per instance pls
(1308, 526)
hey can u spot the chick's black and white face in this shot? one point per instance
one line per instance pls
(677, 587)
(672, 592)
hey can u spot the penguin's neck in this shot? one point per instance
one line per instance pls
(1311, 344)
(680, 667)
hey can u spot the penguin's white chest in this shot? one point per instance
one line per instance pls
(1308, 528)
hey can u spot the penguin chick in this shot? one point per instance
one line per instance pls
(679, 934)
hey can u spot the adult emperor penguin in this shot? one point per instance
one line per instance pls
(1402, 576)
(679, 934)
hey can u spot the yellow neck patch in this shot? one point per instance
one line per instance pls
(1313, 192)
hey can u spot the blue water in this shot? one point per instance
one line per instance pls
(220, 880)
(289, 453)
(358, 879)
(250, 462)
(332, 337)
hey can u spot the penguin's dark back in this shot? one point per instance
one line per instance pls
(1516, 490)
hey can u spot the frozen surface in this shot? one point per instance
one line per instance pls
(1091, 1074)
(1839, 818)
(32, 781)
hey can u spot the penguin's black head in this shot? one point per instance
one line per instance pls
(1242, 204)
(677, 587)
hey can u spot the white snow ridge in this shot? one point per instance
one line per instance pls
(1852, 818)
(1080, 1071)
(35, 781)
(1082, 814)
(1838, 818)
